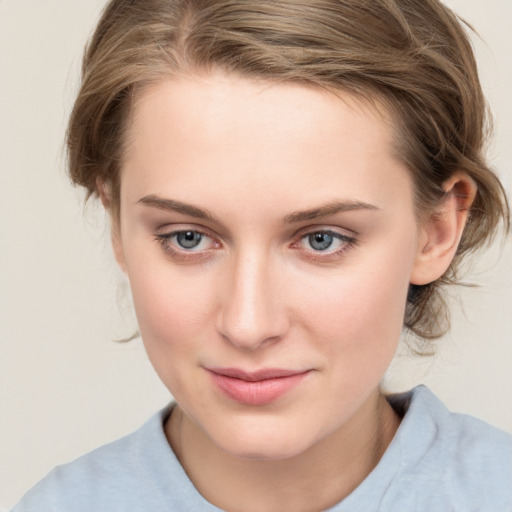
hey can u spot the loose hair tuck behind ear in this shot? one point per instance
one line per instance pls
(413, 56)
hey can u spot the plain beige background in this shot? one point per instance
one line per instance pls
(65, 387)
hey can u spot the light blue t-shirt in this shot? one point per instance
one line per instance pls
(437, 462)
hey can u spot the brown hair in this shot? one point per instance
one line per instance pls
(413, 55)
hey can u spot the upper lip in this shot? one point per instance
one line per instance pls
(257, 375)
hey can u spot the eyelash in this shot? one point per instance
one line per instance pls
(345, 243)
(182, 254)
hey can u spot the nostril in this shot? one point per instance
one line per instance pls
(250, 327)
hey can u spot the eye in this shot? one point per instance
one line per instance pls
(186, 243)
(324, 243)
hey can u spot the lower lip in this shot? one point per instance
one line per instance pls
(259, 392)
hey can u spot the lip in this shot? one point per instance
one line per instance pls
(259, 387)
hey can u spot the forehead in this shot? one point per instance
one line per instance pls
(223, 132)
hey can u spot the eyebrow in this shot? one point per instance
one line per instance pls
(327, 210)
(319, 212)
(176, 206)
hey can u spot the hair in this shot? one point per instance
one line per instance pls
(414, 56)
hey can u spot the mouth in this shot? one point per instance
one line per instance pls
(256, 388)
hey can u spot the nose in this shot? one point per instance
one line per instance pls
(253, 311)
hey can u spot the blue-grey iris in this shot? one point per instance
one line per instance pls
(189, 239)
(320, 241)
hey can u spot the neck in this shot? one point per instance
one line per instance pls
(315, 479)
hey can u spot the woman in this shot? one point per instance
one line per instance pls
(289, 184)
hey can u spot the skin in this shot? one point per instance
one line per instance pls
(256, 294)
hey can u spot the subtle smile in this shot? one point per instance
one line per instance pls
(256, 388)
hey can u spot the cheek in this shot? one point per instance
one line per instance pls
(174, 313)
(172, 305)
(359, 312)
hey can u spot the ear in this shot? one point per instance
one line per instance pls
(105, 193)
(441, 232)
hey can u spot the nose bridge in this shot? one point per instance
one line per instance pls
(251, 314)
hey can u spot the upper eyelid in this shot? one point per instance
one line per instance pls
(342, 232)
(176, 227)
(328, 231)
(174, 232)
(162, 231)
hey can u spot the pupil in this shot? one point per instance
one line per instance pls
(320, 241)
(189, 239)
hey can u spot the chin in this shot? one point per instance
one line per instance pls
(264, 453)
(265, 444)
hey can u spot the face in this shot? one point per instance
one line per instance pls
(269, 237)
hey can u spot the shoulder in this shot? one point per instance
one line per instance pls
(461, 435)
(113, 477)
(457, 458)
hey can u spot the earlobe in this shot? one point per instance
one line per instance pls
(104, 192)
(442, 231)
